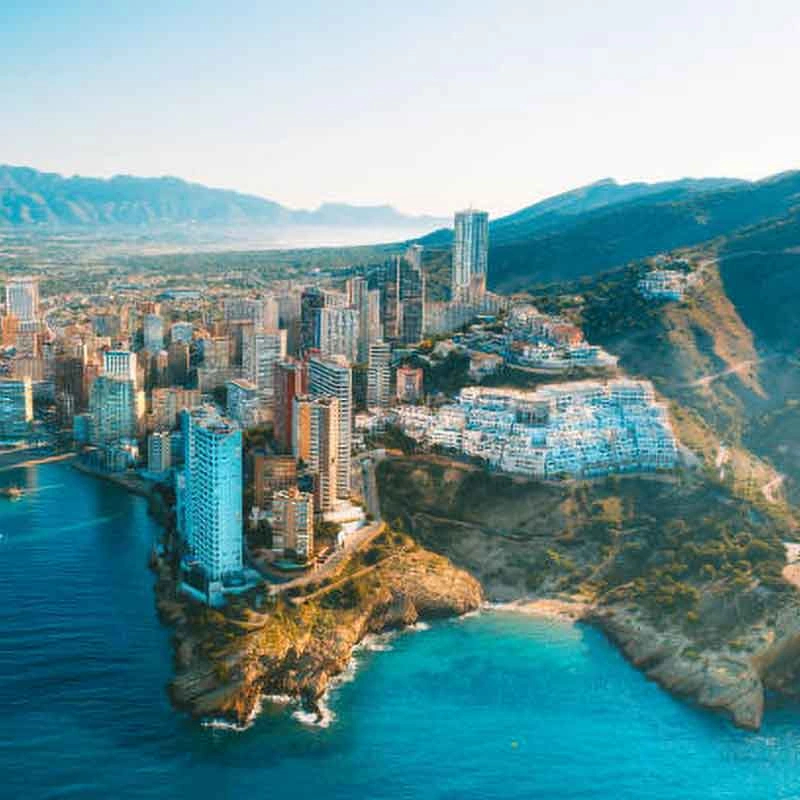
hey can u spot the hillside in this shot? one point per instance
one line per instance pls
(32, 198)
(561, 211)
(611, 237)
(724, 356)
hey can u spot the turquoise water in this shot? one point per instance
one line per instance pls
(494, 706)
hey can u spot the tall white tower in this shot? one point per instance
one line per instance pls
(470, 250)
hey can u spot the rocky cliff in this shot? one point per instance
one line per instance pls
(226, 661)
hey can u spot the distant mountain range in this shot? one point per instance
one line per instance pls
(31, 198)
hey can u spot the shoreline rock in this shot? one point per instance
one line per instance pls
(226, 663)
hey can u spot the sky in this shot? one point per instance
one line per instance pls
(428, 106)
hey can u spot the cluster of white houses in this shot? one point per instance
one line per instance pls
(585, 428)
(665, 284)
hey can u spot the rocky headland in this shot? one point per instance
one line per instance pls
(293, 644)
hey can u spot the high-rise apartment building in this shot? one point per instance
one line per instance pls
(272, 474)
(401, 286)
(291, 380)
(332, 377)
(117, 409)
(153, 331)
(167, 403)
(22, 298)
(263, 312)
(293, 523)
(178, 359)
(470, 251)
(211, 489)
(16, 408)
(120, 364)
(159, 451)
(242, 404)
(315, 442)
(261, 351)
(336, 332)
(313, 299)
(379, 375)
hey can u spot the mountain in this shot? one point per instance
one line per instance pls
(32, 198)
(609, 237)
(562, 210)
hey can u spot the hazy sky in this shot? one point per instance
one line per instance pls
(425, 105)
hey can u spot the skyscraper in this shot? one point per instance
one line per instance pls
(332, 377)
(159, 453)
(120, 364)
(400, 283)
(212, 492)
(313, 299)
(336, 332)
(293, 522)
(22, 298)
(315, 442)
(358, 297)
(16, 407)
(470, 251)
(153, 333)
(379, 375)
(291, 380)
(411, 293)
(117, 409)
(261, 351)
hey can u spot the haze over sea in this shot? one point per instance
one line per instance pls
(493, 706)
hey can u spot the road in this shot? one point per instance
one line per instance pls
(354, 542)
(739, 366)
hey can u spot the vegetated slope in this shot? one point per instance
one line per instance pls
(606, 238)
(29, 197)
(720, 357)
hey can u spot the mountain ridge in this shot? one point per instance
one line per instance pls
(29, 197)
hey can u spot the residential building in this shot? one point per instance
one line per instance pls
(379, 375)
(181, 332)
(16, 408)
(272, 474)
(316, 443)
(293, 523)
(22, 298)
(117, 409)
(120, 364)
(336, 332)
(291, 380)
(167, 403)
(153, 332)
(261, 352)
(332, 377)
(242, 402)
(178, 359)
(211, 493)
(470, 251)
(159, 452)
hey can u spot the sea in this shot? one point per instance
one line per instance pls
(495, 705)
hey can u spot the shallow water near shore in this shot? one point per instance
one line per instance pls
(498, 705)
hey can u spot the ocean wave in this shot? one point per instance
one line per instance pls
(218, 724)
